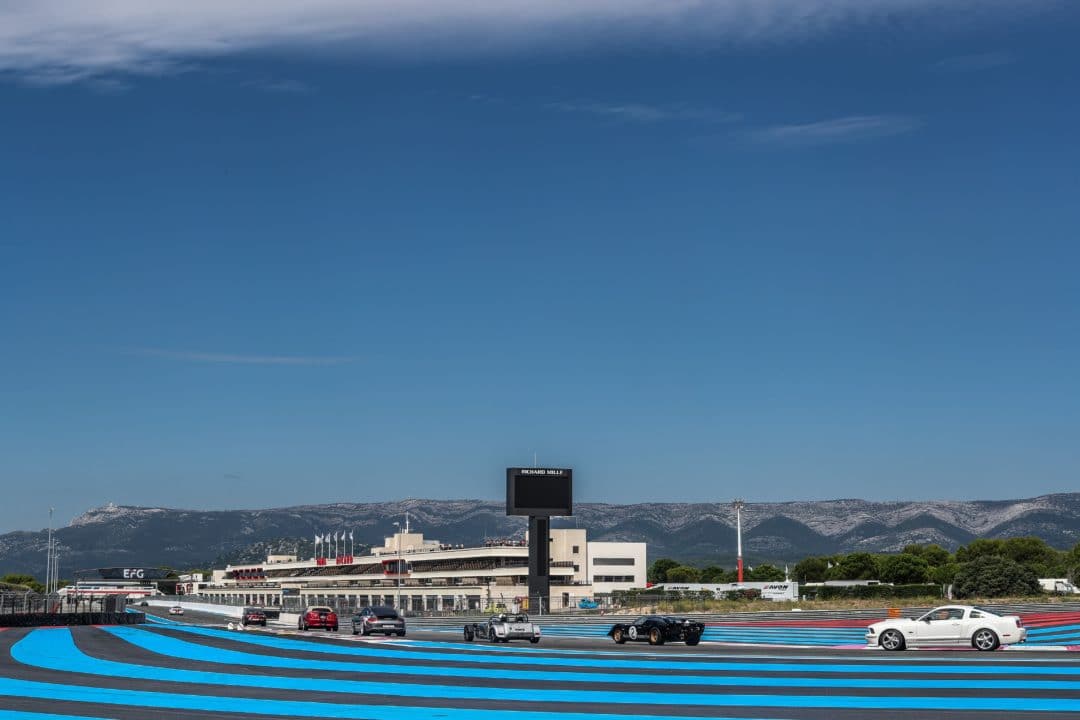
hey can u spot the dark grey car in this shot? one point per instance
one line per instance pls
(378, 619)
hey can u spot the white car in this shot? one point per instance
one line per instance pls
(950, 625)
(502, 628)
(176, 610)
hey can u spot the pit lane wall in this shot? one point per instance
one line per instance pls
(227, 612)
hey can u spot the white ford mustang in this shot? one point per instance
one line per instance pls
(951, 625)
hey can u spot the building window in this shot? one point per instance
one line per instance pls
(613, 561)
(576, 550)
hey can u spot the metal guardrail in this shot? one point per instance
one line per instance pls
(608, 615)
(30, 602)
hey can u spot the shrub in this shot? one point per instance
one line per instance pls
(994, 576)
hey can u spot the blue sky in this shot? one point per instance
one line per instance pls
(260, 256)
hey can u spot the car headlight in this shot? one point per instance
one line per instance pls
(869, 631)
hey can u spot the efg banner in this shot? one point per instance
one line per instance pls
(132, 573)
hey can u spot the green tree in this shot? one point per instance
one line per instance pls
(683, 574)
(856, 566)
(904, 569)
(1035, 554)
(982, 547)
(1071, 562)
(25, 580)
(764, 573)
(811, 569)
(716, 574)
(659, 569)
(944, 574)
(936, 556)
(993, 576)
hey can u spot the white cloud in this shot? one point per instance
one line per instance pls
(645, 113)
(234, 359)
(975, 63)
(69, 40)
(846, 129)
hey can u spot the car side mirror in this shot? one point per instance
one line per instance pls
(926, 620)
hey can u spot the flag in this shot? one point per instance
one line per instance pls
(350, 535)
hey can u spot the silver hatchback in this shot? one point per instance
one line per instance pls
(378, 619)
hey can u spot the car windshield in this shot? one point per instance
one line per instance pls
(520, 618)
(320, 609)
(385, 614)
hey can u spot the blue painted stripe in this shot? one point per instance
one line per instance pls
(286, 708)
(295, 708)
(532, 658)
(40, 652)
(786, 636)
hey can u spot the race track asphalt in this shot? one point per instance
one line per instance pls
(193, 670)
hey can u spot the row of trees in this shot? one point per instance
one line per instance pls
(983, 568)
(666, 570)
(933, 563)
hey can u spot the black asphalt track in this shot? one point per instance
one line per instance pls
(392, 680)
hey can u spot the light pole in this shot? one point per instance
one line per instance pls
(49, 558)
(738, 505)
(397, 566)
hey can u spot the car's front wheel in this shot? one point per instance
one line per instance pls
(468, 634)
(655, 637)
(892, 640)
(618, 636)
(534, 640)
(693, 639)
(985, 639)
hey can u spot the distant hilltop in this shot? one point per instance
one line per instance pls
(115, 535)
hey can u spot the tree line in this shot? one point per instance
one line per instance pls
(982, 568)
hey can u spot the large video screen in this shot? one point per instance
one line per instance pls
(541, 492)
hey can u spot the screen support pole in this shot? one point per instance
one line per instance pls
(539, 564)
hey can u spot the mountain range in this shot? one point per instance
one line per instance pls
(115, 535)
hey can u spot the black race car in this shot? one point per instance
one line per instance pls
(657, 630)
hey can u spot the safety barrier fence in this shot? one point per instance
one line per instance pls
(605, 615)
(23, 603)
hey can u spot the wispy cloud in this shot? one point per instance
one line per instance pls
(853, 128)
(72, 39)
(645, 113)
(234, 359)
(975, 63)
(288, 87)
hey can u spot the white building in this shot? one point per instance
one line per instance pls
(415, 574)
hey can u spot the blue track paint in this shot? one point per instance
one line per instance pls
(138, 698)
(751, 664)
(48, 651)
(284, 708)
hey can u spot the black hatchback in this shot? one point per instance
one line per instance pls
(378, 619)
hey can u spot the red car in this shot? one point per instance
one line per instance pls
(318, 616)
(253, 616)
